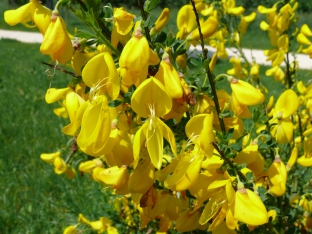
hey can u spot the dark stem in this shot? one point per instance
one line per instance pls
(228, 161)
(60, 69)
(300, 129)
(209, 74)
(144, 16)
(288, 77)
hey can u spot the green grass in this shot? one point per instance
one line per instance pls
(33, 198)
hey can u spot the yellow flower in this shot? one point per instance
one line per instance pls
(116, 177)
(151, 100)
(70, 230)
(200, 131)
(169, 77)
(136, 53)
(56, 41)
(306, 159)
(100, 74)
(277, 174)
(292, 159)
(123, 23)
(50, 157)
(142, 177)
(208, 28)
(186, 171)
(237, 70)
(231, 8)
(32, 11)
(245, 93)
(249, 208)
(186, 21)
(245, 20)
(59, 166)
(187, 221)
(161, 21)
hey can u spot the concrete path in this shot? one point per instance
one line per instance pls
(305, 62)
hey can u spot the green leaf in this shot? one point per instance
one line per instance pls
(229, 134)
(171, 122)
(249, 176)
(115, 103)
(83, 33)
(128, 95)
(161, 37)
(195, 62)
(149, 5)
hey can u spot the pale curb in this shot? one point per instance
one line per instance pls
(304, 60)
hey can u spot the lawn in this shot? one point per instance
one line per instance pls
(34, 199)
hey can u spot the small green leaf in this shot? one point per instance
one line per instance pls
(249, 176)
(161, 37)
(151, 5)
(82, 33)
(171, 122)
(115, 103)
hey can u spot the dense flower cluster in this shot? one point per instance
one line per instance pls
(172, 147)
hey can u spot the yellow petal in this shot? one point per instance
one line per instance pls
(185, 174)
(208, 28)
(245, 93)
(53, 94)
(186, 19)
(302, 39)
(306, 30)
(71, 129)
(249, 208)
(187, 221)
(135, 54)
(154, 143)
(55, 37)
(59, 165)
(114, 176)
(96, 125)
(100, 72)
(123, 21)
(151, 92)
(169, 77)
(42, 17)
(284, 133)
(240, 110)
(287, 104)
(50, 157)
(142, 177)
(211, 208)
(161, 21)
(20, 15)
(305, 161)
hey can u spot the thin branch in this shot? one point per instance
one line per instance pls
(144, 16)
(61, 69)
(208, 71)
(228, 161)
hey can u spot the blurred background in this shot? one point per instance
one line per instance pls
(33, 198)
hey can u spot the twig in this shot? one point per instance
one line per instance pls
(61, 69)
(147, 33)
(209, 74)
(228, 161)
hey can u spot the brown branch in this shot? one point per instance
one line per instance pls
(228, 161)
(208, 71)
(61, 69)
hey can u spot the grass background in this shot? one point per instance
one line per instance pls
(34, 199)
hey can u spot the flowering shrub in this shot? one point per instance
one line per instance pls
(149, 124)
